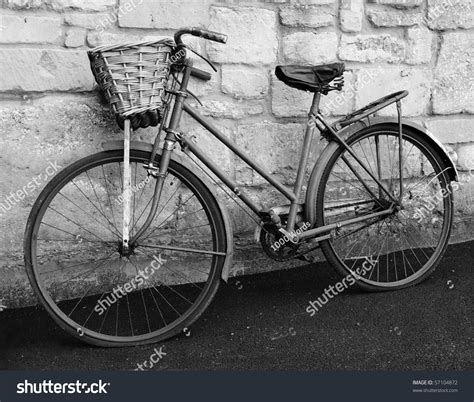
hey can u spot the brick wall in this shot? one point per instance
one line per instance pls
(50, 113)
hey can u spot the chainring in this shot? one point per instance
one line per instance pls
(269, 237)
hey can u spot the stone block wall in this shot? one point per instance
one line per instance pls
(50, 113)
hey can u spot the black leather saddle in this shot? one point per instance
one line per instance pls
(312, 78)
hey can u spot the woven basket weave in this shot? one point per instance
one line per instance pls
(133, 76)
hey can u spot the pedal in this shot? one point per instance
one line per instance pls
(307, 258)
(291, 237)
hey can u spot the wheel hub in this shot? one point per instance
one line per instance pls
(126, 252)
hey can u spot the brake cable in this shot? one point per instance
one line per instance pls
(187, 90)
(201, 56)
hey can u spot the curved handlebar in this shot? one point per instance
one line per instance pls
(202, 33)
(201, 74)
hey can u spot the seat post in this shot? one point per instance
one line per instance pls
(315, 105)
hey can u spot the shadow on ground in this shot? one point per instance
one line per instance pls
(261, 323)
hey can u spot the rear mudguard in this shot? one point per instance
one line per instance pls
(323, 160)
(143, 146)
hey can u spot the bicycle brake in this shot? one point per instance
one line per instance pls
(151, 169)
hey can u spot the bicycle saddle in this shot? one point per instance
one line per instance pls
(312, 78)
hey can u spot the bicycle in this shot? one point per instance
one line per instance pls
(86, 254)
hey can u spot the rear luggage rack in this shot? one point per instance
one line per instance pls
(371, 108)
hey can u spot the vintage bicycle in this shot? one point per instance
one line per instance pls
(128, 246)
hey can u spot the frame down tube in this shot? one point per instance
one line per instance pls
(232, 184)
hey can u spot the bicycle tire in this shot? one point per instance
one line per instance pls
(318, 208)
(58, 182)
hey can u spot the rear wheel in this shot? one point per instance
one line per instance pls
(399, 250)
(98, 292)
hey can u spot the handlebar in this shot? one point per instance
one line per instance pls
(200, 74)
(201, 33)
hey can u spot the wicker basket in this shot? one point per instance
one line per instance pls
(133, 76)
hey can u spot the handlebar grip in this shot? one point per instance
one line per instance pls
(214, 36)
(201, 74)
(202, 33)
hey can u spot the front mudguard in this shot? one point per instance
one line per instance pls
(146, 147)
(323, 160)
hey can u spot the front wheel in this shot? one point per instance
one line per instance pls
(398, 250)
(110, 297)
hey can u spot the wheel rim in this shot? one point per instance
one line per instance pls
(172, 287)
(397, 250)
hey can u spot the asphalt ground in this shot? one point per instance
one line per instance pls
(260, 323)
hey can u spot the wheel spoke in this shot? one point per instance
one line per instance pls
(94, 219)
(404, 251)
(160, 225)
(177, 273)
(82, 275)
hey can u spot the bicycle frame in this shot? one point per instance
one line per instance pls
(315, 122)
